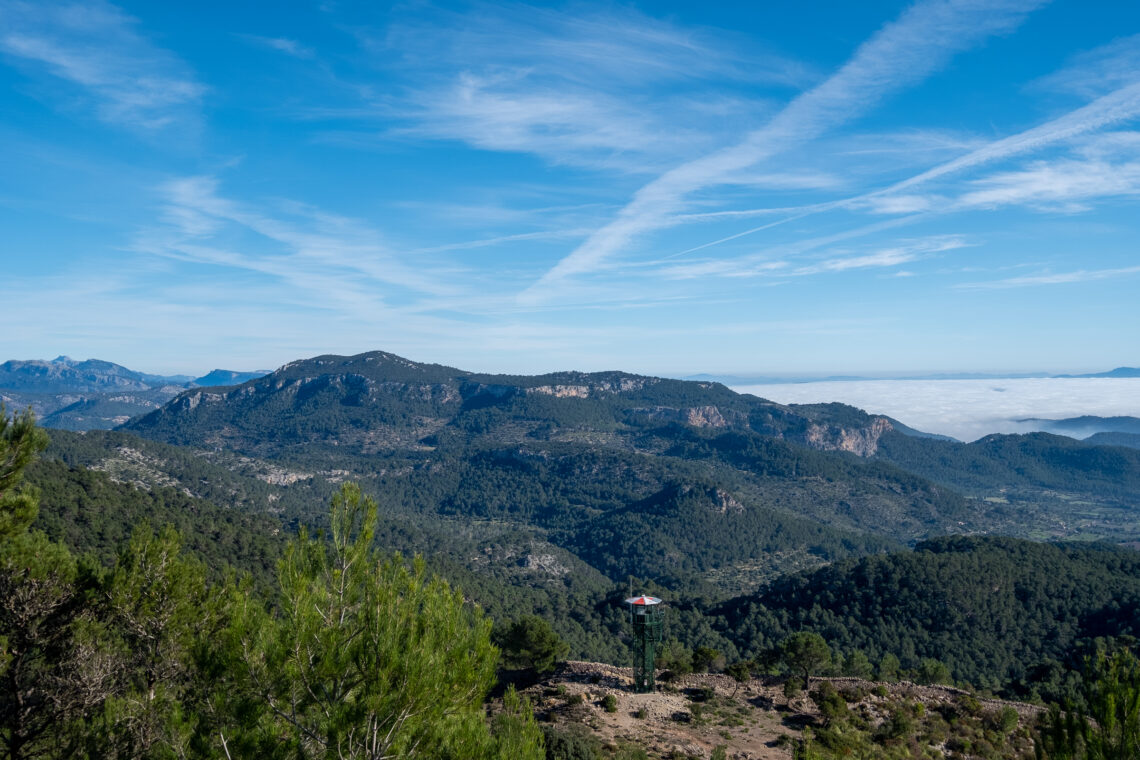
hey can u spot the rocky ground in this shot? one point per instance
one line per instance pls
(689, 717)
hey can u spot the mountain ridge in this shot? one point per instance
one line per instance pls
(529, 434)
(94, 394)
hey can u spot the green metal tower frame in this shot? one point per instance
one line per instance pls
(647, 617)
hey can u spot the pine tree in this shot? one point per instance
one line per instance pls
(47, 678)
(20, 442)
(159, 613)
(1107, 726)
(805, 652)
(529, 643)
(367, 658)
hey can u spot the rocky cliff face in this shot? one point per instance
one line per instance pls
(592, 387)
(863, 441)
(697, 416)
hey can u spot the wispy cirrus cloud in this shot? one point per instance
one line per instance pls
(1035, 183)
(906, 251)
(333, 257)
(95, 47)
(886, 257)
(610, 88)
(1098, 167)
(506, 113)
(283, 45)
(1118, 106)
(1057, 278)
(586, 46)
(900, 54)
(1092, 73)
(1065, 185)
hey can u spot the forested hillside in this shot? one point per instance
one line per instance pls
(1003, 614)
(999, 612)
(154, 650)
(1031, 461)
(556, 449)
(91, 513)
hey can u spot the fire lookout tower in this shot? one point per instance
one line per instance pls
(647, 617)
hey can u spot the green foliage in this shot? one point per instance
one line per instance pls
(529, 643)
(675, 657)
(92, 514)
(20, 441)
(706, 659)
(857, 665)
(1037, 460)
(630, 752)
(898, 724)
(613, 478)
(805, 653)
(40, 601)
(889, 667)
(351, 626)
(1106, 726)
(931, 671)
(610, 703)
(572, 743)
(993, 610)
(147, 660)
(740, 672)
(1006, 720)
(514, 731)
(612, 469)
(831, 705)
(39, 604)
(897, 728)
(159, 612)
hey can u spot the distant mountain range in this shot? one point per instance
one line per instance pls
(1086, 426)
(1118, 372)
(66, 375)
(601, 458)
(95, 394)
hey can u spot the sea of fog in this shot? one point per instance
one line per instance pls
(968, 409)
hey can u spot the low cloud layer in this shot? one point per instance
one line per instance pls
(969, 409)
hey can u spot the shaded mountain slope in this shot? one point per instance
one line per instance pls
(990, 608)
(717, 531)
(1035, 460)
(1128, 440)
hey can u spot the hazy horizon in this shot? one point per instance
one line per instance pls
(752, 377)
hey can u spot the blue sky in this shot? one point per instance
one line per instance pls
(667, 188)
